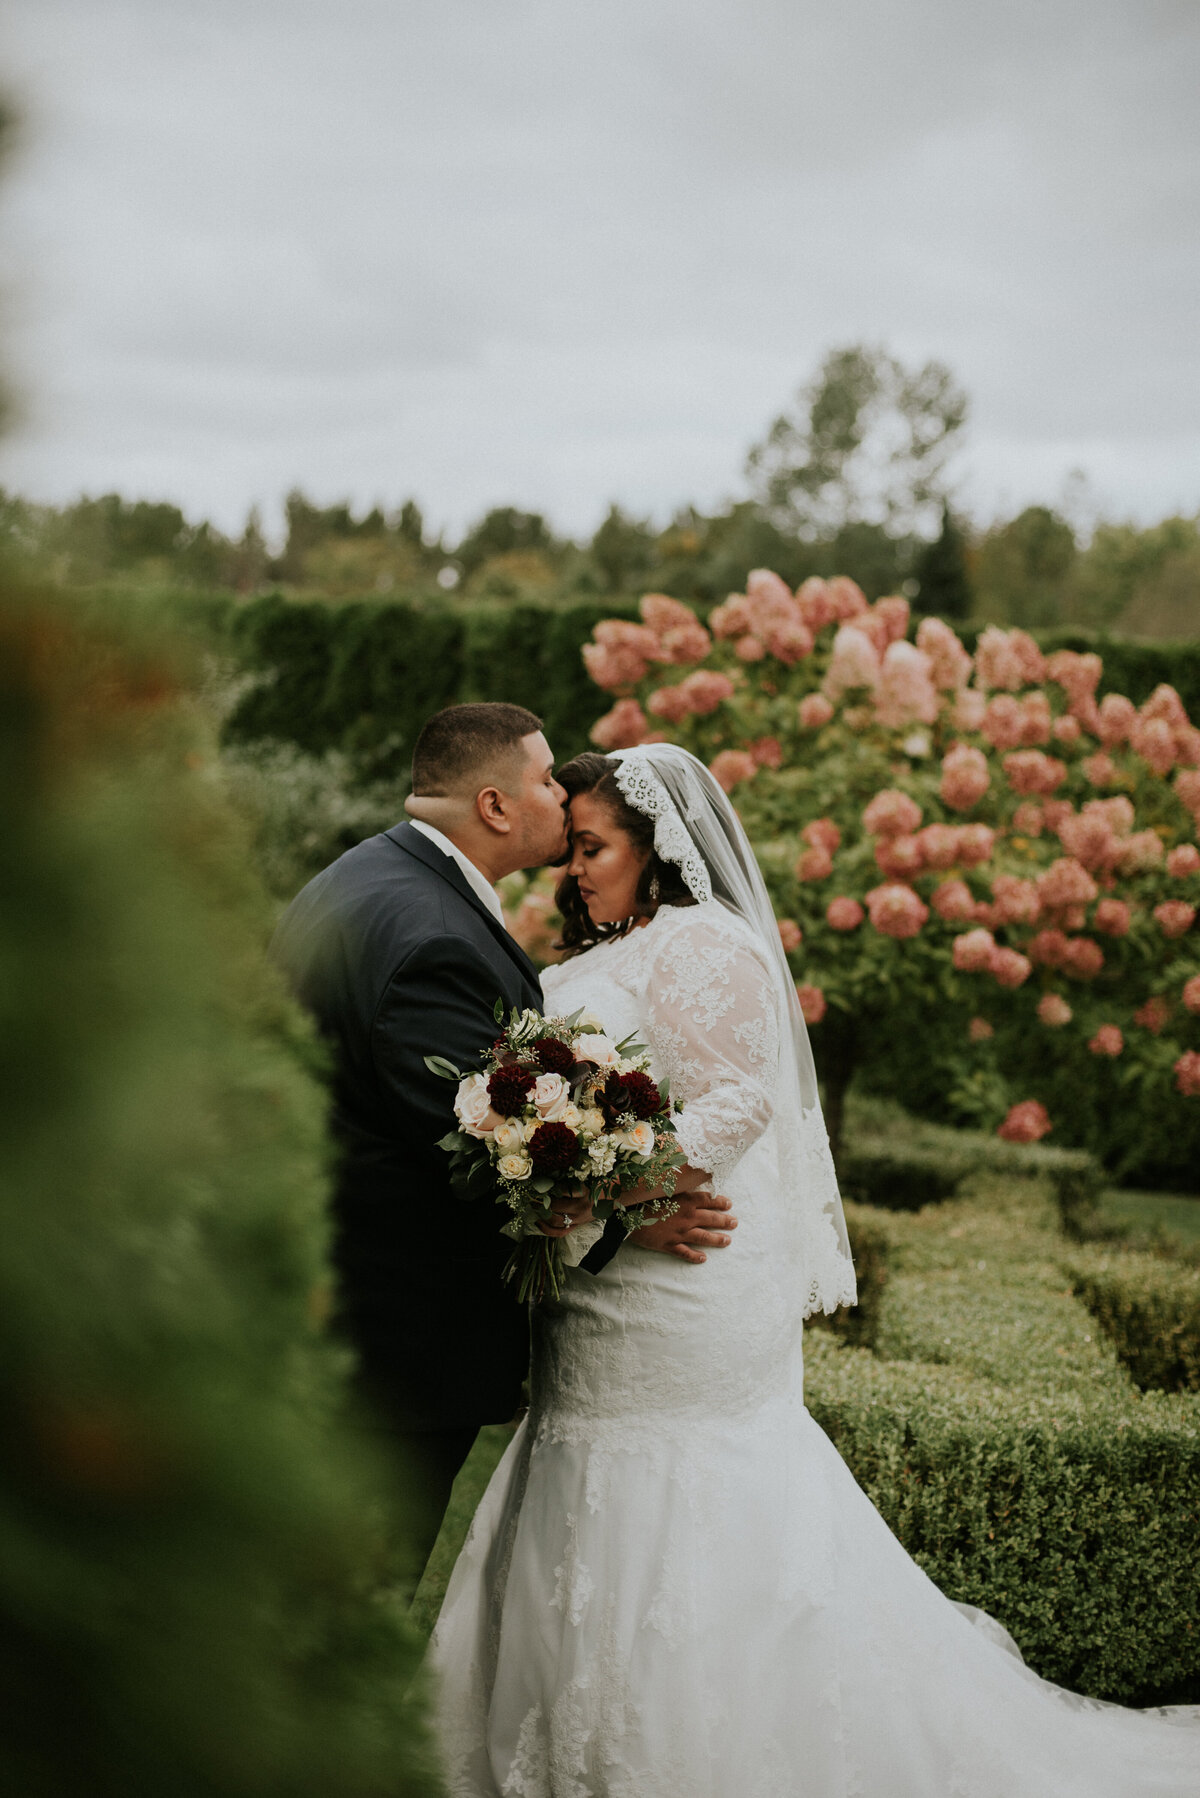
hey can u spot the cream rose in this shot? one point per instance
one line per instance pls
(571, 1116)
(599, 1050)
(591, 1122)
(473, 1108)
(587, 1020)
(551, 1095)
(640, 1138)
(514, 1167)
(509, 1136)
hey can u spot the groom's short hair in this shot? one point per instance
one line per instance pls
(469, 747)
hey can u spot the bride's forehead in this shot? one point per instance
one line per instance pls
(590, 814)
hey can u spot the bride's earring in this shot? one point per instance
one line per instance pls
(655, 889)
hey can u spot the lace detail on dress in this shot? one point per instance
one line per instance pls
(642, 788)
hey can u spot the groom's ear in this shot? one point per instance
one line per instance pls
(493, 808)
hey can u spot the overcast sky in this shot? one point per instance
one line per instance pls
(554, 253)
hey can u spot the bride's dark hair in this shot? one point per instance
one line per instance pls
(661, 882)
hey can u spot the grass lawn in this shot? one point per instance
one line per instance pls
(490, 1444)
(1170, 1214)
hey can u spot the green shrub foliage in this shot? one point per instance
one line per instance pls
(993, 1423)
(192, 1542)
(1150, 1309)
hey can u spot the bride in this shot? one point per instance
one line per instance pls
(673, 1587)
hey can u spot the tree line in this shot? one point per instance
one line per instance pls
(854, 478)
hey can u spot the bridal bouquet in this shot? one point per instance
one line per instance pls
(559, 1112)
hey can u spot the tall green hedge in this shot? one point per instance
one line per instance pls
(195, 1549)
(364, 677)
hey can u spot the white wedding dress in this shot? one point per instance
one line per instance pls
(673, 1587)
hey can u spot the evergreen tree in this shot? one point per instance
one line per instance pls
(944, 585)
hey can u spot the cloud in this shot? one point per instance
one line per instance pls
(554, 254)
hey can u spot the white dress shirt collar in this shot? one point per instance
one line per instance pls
(477, 881)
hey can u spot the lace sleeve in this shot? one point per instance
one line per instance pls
(711, 1020)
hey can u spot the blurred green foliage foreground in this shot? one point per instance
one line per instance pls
(194, 1560)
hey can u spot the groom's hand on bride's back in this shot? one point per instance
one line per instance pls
(704, 1221)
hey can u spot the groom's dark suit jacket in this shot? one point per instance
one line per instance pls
(397, 959)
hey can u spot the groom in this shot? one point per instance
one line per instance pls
(399, 950)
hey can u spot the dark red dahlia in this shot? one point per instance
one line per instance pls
(552, 1149)
(634, 1092)
(554, 1056)
(509, 1087)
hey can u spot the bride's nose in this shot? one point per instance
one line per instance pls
(575, 865)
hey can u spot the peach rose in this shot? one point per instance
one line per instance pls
(1026, 1122)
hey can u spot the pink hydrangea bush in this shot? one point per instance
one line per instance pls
(989, 833)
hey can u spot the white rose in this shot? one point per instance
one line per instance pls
(551, 1095)
(587, 1020)
(509, 1137)
(572, 1117)
(592, 1122)
(473, 1108)
(640, 1138)
(514, 1167)
(597, 1049)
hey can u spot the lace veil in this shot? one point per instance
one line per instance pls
(697, 829)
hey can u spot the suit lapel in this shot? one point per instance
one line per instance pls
(431, 857)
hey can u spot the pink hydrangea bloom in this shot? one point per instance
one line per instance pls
(906, 693)
(816, 604)
(1100, 770)
(1118, 810)
(1191, 993)
(1027, 1122)
(670, 703)
(790, 934)
(970, 708)
(940, 844)
(750, 648)
(1003, 722)
(1017, 900)
(814, 711)
(685, 643)
(1187, 789)
(1009, 968)
(1112, 917)
(1078, 675)
(891, 814)
(1174, 917)
(998, 662)
(1154, 1014)
(1054, 811)
(789, 641)
(1107, 1041)
(767, 752)
(894, 611)
(812, 1003)
(1065, 882)
(662, 613)
(1115, 715)
(899, 857)
(847, 596)
(1035, 719)
(896, 910)
(1028, 820)
(1166, 704)
(814, 864)
(621, 654)
(1187, 1074)
(1082, 958)
(1183, 860)
(1088, 837)
(1154, 740)
(979, 1030)
(1049, 948)
(731, 767)
(854, 662)
(1067, 729)
(1032, 771)
(768, 589)
(973, 951)
(1139, 853)
(1054, 1010)
(705, 690)
(965, 778)
(844, 913)
(822, 833)
(733, 618)
(948, 659)
(975, 844)
(622, 728)
(952, 901)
